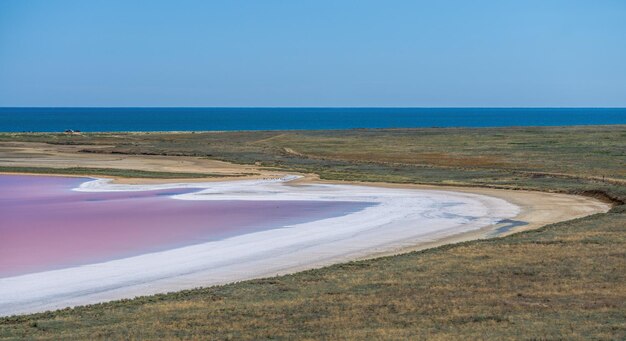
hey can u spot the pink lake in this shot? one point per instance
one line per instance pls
(45, 225)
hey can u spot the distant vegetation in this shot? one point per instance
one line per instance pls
(563, 281)
(126, 173)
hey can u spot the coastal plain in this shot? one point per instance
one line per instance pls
(562, 280)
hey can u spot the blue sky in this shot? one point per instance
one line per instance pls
(313, 53)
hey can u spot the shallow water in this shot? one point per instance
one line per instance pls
(46, 225)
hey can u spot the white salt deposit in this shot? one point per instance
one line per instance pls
(400, 218)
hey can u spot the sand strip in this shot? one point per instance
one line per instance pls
(404, 218)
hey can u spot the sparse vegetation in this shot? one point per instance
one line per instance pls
(126, 173)
(563, 281)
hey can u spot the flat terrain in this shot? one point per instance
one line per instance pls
(565, 280)
(71, 159)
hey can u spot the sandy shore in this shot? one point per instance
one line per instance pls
(402, 219)
(31, 154)
(537, 209)
(406, 217)
(397, 218)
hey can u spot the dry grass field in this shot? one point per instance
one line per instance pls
(563, 281)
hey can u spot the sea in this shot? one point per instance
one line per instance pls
(233, 119)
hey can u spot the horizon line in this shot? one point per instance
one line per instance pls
(312, 107)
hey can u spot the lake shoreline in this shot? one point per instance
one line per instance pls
(536, 209)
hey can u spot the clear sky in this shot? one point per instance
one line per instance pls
(313, 53)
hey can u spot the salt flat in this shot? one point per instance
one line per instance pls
(399, 218)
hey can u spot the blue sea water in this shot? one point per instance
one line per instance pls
(202, 119)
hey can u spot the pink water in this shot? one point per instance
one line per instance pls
(45, 225)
